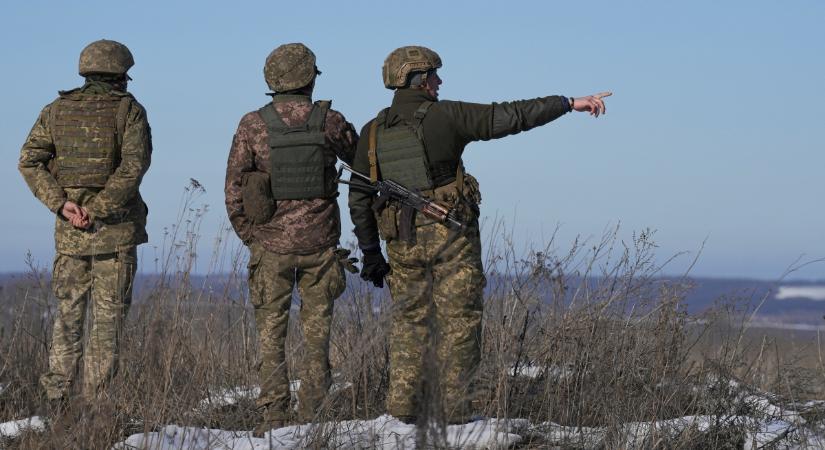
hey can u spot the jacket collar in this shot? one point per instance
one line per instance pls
(281, 98)
(407, 96)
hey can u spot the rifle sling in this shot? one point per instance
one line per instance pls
(372, 155)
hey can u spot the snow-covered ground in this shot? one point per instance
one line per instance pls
(385, 432)
(777, 427)
(767, 426)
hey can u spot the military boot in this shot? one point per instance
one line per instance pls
(56, 408)
(266, 426)
(271, 418)
(409, 420)
(63, 414)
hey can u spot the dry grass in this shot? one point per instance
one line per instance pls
(607, 340)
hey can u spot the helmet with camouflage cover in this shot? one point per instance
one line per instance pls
(290, 67)
(403, 61)
(104, 56)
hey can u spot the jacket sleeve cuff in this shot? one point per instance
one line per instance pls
(566, 103)
(93, 212)
(370, 248)
(56, 206)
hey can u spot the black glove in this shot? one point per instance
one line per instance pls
(374, 268)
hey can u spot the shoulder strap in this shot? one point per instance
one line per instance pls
(122, 111)
(418, 118)
(459, 177)
(419, 114)
(380, 119)
(372, 155)
(271, 117)
(315, 121)
(53, 114)
(318, 116)
(51, 166)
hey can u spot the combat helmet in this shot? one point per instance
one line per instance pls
(104, 56)
(290, 67)
(403, 61)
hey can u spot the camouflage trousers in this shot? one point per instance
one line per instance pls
(437, 286)
(320, 280)
(106, 280)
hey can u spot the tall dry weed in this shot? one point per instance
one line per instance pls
(588, 336)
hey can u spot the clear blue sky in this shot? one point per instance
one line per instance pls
(714, 130)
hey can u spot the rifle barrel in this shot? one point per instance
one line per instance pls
(354, 172)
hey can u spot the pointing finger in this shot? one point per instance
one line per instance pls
(603, 94)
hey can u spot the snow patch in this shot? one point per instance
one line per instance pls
(808, 292)
(16, 427)
(231, 396)
(533, 371)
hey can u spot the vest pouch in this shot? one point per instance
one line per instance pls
(258, 203)
(298, 172)
(388, 222)
(464, 204)
(467, 205)
(472, 191)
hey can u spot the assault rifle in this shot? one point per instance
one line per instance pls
(390, 190)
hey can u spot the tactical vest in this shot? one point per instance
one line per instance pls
(399, 151)
(299, 166)
(87, 131)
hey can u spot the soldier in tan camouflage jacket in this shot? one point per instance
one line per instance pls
(84, 159)
(281, 197)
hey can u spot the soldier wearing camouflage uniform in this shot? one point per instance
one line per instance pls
(418, 142)
(84, 159)
(281, 199)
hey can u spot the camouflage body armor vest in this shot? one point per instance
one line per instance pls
(300, 166)
(87, 130)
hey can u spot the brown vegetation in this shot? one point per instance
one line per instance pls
(588, 338)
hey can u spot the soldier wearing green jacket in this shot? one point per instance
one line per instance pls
(84, 159)
(418, 142)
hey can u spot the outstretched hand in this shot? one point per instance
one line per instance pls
(592, 104)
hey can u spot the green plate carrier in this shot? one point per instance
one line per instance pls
(299, 169)
(401, 154)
